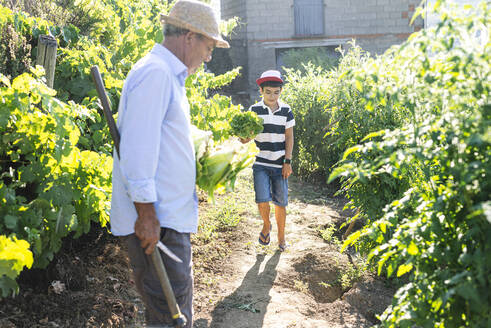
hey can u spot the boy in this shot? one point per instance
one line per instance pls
(273, 162)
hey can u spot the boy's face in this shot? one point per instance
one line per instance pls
(270, 95)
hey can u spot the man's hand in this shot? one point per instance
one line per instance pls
(244, 140)
(286, 170)
(147, 226)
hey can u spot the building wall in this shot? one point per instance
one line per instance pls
(238, 42)
(272, 19)
(267, 20)
(374, 24)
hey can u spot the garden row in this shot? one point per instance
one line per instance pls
(55, 155)
(408, 136)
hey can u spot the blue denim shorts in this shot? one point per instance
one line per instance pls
(269, 185)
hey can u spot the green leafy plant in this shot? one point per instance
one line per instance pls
(330, 113)
(55, 155)
(218, 163)
(327, 234)
(299, 59)
(211, 112)
(14, 256)
(49, 188)
(246, 125)
(436, 230)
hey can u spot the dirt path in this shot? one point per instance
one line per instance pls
(310, 285)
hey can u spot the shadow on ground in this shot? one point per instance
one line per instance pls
(249, 302)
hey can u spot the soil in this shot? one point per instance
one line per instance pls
(238, 283)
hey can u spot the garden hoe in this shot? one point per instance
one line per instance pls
(177, 316)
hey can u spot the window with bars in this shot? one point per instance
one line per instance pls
(309, 17)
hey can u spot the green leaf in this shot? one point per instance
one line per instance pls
(403, 269)
(412, 249)
(436, 305)
(14, 255)
(339, 171)
(419, 11)
(358, 85)
(352, 238)
(383, 227)
(8, 286)
(350, 151)
(10, 222)
(469, 291)
(374, 134)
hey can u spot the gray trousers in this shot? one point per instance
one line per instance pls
(180, 276)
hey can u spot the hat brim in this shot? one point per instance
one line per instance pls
(221, 43)
(268, 78)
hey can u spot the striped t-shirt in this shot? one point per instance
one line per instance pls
(271, 142)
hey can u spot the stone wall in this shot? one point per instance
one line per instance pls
(238, 52)
(375, 24)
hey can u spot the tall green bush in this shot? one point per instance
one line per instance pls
(211, 112)
(437, 233)
(14, 256)
(297, 59)
(304, 92)
(55, 155)
(49, 188)
(331, 115)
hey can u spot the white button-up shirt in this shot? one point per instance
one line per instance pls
(157, 162)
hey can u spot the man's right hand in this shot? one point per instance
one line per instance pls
(244, 140)
(147, 226)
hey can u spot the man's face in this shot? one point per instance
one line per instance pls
(270, 95)
(198, 51)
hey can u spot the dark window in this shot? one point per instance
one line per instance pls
(309, 17)
(324, 56)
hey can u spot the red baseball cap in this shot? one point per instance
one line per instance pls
(271, 75)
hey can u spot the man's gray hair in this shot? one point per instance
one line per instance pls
(172, 30)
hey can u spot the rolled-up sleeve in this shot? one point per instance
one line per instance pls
(147, 101)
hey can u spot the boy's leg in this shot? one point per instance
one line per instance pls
(280, 200)
(280, 215)
(262, 188)
(264, 210)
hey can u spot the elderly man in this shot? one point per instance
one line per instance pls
(154, 193)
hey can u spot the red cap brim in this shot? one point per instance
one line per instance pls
(268, 78)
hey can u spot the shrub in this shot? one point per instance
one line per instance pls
(14, 256)
(304, 93)
(49, 188)
(297, 59)
(15, 51)
(55, 155)
(438, 232)
(330, 114)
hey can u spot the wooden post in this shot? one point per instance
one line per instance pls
(46, 56)
(351, 225)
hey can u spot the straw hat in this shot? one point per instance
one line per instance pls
(197, 17)
(271, 75)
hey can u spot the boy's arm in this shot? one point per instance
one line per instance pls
(287, 167)
(288, 143)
